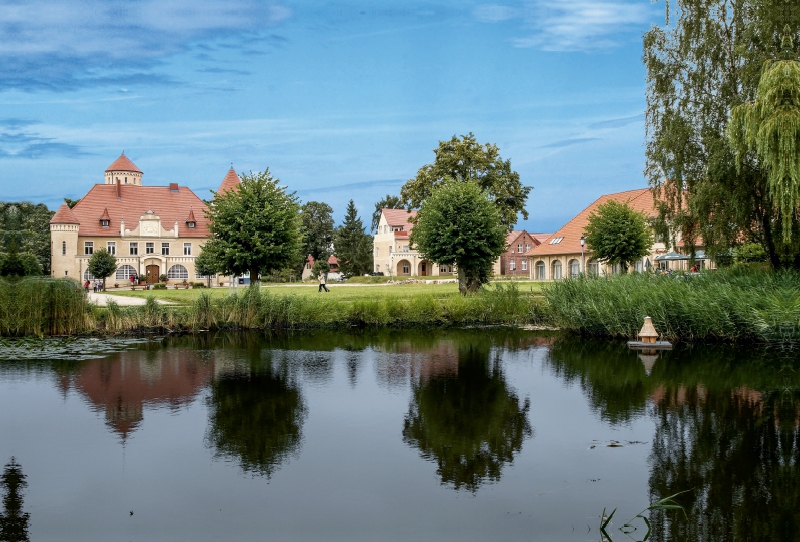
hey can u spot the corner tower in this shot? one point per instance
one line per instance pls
(64, 243)
(124, 171)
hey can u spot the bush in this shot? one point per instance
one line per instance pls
(159, 286)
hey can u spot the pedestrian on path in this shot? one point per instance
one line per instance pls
(321, 279)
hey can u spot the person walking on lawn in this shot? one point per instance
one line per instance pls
(321, 279)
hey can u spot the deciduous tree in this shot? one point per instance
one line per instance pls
(206, 264)
(618, 234)
(702, 64)
(463, 160)
(255, 227)
(316, 227)
(102, 265)
(458, 224)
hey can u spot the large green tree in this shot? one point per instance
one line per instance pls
(706, 61)
(459, 225)
(352, 245)
(316, 226)
(255, 227)
(387, 202)
(27, 226)
(102, 265)
(463, 160)
(618, 234)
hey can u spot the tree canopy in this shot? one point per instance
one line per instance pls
(465, 160)
(102, 265)
(387, 202)
(26, 226)
(700, 66)
(352, 244)
(255, 227)
(316, 226)
(618, 234)
(458, 224)
(206, 263)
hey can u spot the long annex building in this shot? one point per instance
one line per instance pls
(152, 230)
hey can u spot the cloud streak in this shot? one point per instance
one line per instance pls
(67, 44)
(616, 123)
(568, 142)
(575, 25)
(32, 145)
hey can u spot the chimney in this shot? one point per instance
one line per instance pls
(122, 227)
(173, 187)
(117, 184)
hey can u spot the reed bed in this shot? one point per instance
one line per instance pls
(261, 309)
(40, 306)
(739, 305)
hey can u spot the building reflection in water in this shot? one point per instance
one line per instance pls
(13, 521)
(463, 416)
(727, 428)
(256, 411)
(124, 384)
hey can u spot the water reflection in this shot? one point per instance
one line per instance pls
(123, 384)
(727, 427)
(256, 413)
(464, 416)
(13, 521)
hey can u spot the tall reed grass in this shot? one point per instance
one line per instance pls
(731, 305)
(259, 309)
(43, 306)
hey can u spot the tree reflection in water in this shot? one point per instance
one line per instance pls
(256, 414)
(727, 428)
(13, 521)
(470, 423)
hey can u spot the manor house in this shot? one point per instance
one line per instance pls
(152, 230)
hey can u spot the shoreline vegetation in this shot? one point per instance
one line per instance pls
(739, 305)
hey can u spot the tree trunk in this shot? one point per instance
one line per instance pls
(254, 282)
(468, 283)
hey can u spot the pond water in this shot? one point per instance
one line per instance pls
(453, 435)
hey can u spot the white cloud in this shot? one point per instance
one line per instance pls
(581, 25)
(494, 14)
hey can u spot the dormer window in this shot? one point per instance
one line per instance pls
(104, 222)
(191, 224)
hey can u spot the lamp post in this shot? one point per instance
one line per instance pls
(583, 259)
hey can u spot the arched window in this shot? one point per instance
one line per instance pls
(593, 268)
(574, 268)
(541, 270)
(87, 275)
(124, 272)
(178, 272)
(556, 273)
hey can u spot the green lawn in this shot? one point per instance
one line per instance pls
(344, 292)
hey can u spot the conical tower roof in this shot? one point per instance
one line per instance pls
(123, 163)
(230, 182)
(64, 215)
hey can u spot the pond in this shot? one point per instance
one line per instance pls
(427, 435)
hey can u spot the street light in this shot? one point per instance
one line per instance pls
(583, 259)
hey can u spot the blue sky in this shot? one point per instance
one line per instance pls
(339, 99)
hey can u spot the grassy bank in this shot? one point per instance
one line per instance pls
(43, 306)
(734, 305)
(272, 309)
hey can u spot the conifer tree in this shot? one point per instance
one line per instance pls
(352, 245)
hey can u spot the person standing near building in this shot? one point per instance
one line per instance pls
(321, 279)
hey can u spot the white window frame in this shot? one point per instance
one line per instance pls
(133, 249)
(88, 248)
(149, 248)
(111, 247)
(165, 249)
(512, 265)
(524, 265)
(187, 249)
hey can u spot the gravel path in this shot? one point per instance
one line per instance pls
(122, 301)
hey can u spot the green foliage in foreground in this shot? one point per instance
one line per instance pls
(102, 265)
(254, 309)
(618, 234)
(42, 306)
(735, 305)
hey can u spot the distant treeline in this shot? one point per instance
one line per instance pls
(24, 239)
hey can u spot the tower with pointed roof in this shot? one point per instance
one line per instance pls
(123, 171)
(64, 228)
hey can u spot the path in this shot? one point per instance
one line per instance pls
(122, 301)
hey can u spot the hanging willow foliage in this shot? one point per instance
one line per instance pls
(770, 126)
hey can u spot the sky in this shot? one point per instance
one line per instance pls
(340, 100)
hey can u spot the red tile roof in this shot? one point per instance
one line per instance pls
(400, 217)
(191, 216)
(641, 200)
(230, 182)
(123, 164)
(64, 215)
(133, 202)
